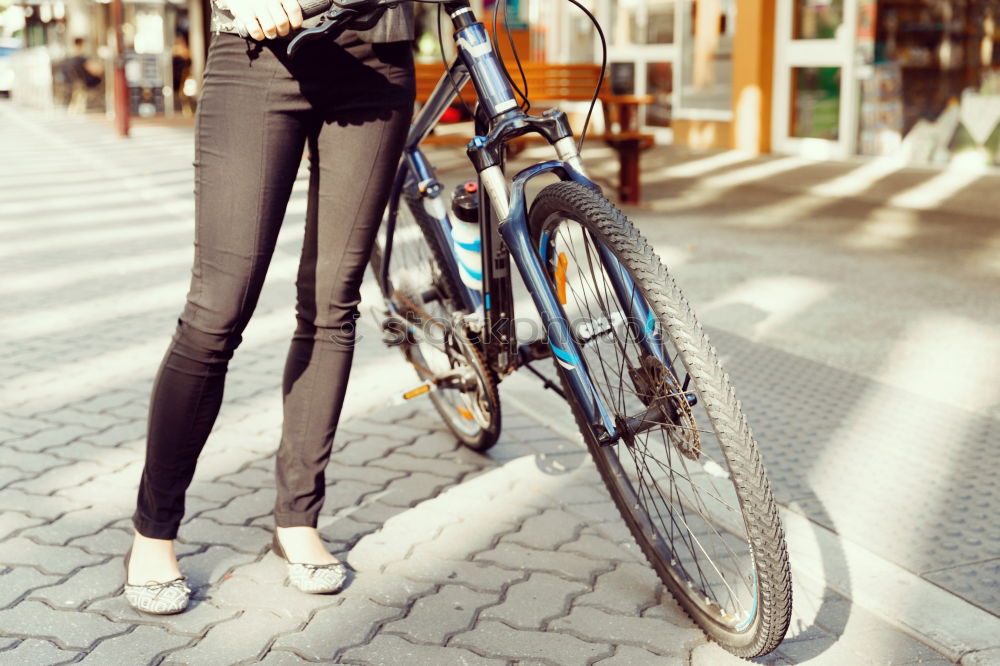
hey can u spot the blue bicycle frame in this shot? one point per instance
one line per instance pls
(504, 216)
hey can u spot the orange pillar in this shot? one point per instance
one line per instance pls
(753, 66)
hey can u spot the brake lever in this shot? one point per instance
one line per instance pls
(335, 22)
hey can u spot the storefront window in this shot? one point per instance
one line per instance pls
(934, 92)
(817, 19)
(815, 102)
(659, 84)
(642, 22)
(706, 54)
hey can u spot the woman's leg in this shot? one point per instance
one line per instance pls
(248, 148)
(353, 161)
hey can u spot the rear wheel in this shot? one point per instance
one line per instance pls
(685, 473)
(463, 388)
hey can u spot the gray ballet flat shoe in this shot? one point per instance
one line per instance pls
(312, 578)
(157, 598)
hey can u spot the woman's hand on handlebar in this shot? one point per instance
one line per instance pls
(267, 19)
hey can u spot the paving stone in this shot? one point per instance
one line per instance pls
(282, 658)
(12, 475)
(363, 451)
(244, 538)
(429, 444)
(16, 581)
(529, 603)
(84, 586)
(654, 635)
(66, 476)
(989, 657)
(549, 530)
(67, 629)
(370, 474)
(597, 547)
(49, 437)
(348, 494)
(36, 651)
(710, 654)
(583, 493)
(414, 488)
(478, 576)
(388, 430)
(387, 650)
(244, 508)
(249, 477)
(108, 456)
(210, 566)
(47, 559)
(193, 622)
(138, 647)
(95, 421)
(433, 618)
(374, 512)
(345, 530)
(245, 594)
(243, 638)
(109, 541)
(386, 589)
(109, 399)
(567, 565)
(30, 461)
(336, 629)
(218, 491)
(24, 425)
(626, 655)
(74, 524)
(498, 640)
(507, 449)
(626, 590)
(12, 521)
(439, 465)
(48, 507)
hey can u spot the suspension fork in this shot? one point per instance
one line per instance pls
(514, 229)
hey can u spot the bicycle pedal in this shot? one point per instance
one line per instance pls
(417, 392)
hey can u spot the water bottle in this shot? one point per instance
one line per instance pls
(465, 234)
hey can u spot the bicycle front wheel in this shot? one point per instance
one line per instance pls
(686, 475)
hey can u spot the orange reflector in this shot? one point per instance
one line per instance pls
(561, 267)
(420, 390)
(466, 414)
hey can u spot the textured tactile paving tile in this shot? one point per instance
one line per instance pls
(914, 480)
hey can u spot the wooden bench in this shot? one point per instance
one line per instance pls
(550, 85)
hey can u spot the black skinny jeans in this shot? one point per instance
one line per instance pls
(351, 102)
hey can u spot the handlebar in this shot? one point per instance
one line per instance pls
(338, 15)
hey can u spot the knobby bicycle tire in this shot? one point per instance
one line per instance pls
(410, 305)
(768, 619)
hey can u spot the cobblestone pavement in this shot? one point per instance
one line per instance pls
(457, 558)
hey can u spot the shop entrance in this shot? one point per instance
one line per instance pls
(815, 104)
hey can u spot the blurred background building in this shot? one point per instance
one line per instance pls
(821, 78)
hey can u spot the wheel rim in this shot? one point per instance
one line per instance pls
(675, 476)
(414, 274)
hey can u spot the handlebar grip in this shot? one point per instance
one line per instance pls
(310, 8)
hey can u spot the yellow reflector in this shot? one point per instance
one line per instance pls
(561, 267)
(466, 414)
(420, 390)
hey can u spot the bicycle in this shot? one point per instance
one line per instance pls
(655, 408)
